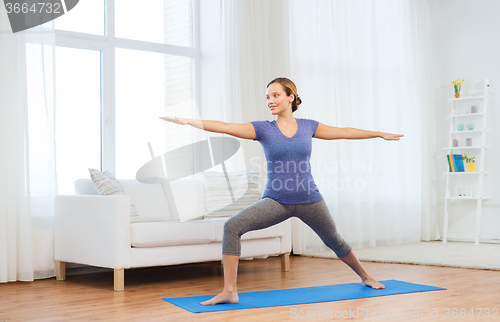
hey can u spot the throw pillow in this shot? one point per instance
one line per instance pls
(218, 200)
(106, 184)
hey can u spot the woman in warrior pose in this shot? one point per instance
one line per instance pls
(290, 191)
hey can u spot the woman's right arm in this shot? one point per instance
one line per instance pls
(244, 131)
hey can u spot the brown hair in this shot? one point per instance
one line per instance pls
(289, 88)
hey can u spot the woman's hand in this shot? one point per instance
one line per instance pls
(391, 137)
(175, 119)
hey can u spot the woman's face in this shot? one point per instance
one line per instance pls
(277, 100)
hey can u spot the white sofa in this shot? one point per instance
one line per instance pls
(95, 230)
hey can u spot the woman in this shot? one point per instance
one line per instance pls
(290, 189)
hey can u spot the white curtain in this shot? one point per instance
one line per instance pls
(420, 23)
(27, 152)
(359, 64)
(256, 50)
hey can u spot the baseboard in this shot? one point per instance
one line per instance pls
(470, 239)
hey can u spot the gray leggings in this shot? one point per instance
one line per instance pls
(268, 212)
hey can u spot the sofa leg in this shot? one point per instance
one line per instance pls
(119, 280)
(60, 271)
(285, 262)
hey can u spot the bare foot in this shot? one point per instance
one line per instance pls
(224, 297)
(370, 282)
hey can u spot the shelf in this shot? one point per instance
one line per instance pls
(465, 115)
(465, 98)
(475, 172)
(467, 131)
(465, 147)
(460, 113)
(466, 198)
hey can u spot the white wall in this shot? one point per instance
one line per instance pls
(466, 44)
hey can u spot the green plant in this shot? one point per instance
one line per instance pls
(457, 85)
(468, 160)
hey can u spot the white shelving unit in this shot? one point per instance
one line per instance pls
(477, 149)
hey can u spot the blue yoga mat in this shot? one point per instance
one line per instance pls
(303, 295)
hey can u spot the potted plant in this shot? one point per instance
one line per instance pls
(457, 85)
(471, 163)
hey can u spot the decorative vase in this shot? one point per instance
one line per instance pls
(471, 167)
(457, 95)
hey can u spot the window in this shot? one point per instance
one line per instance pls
(142, 92)
(114, 79)
(86, 17)
(160, 21)
(78, 118)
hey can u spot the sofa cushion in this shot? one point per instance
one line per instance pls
(172, 233)
(134, 216)
(106, 184)
(188, 195)
(244, 187)
(85, 187)
(149, 200)
(273, 231)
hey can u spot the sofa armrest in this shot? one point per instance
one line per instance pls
(93, 230)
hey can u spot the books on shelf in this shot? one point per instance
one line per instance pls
(455, 163)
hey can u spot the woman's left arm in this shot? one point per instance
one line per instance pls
(326, 132)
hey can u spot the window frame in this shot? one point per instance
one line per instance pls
(106, 45)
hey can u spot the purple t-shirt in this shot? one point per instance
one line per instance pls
(289, 178)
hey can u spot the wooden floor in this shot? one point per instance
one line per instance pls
(91, 296)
